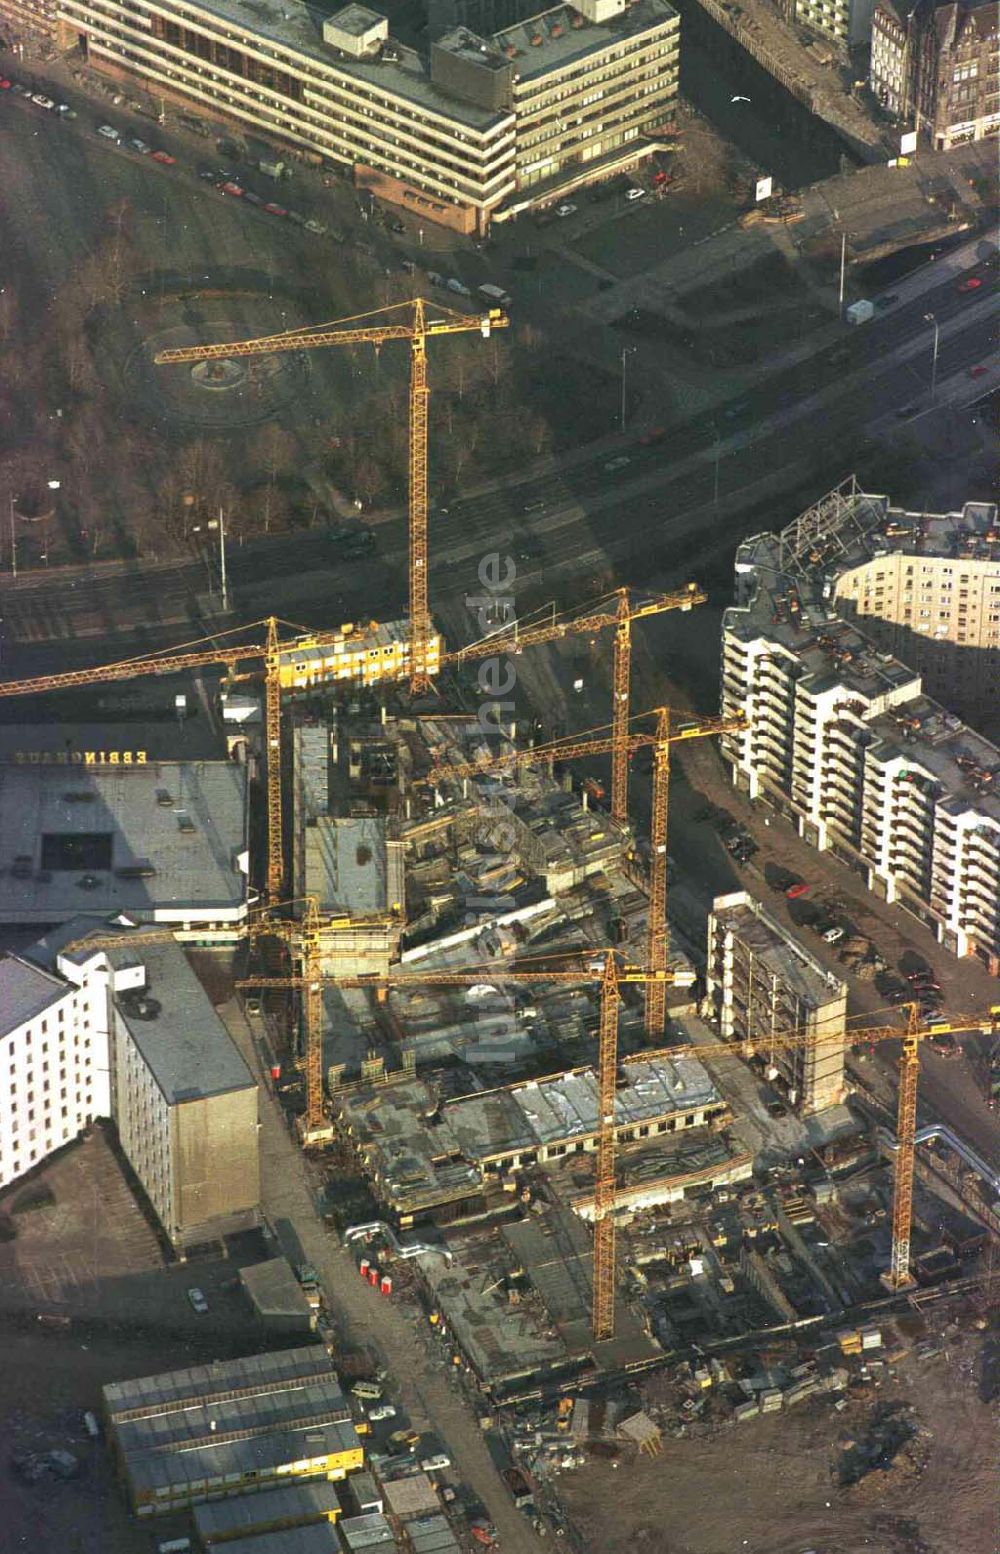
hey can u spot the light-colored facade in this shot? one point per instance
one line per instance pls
(129, 1035)
(845, 23)
(579, 99)
(572, 94)
(760, 983)
(935, 66)
(54, 1065)
(841, 737)
(359, 655)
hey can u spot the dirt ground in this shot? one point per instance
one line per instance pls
(48, 1380)
(770, 1486)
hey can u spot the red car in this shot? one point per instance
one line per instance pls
(972, 284)
(5, 86)
(275, 210)
(165, 158)
(794, 891)
(978, 372)
(232, 189)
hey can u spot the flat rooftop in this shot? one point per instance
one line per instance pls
(244, 1513)
(183, 1042)
(781, 954)
(564, 1108)
(509, 1338)
(564, 39)
(268, 1413)
(296, 30)
(348, 867)
(153, 840)
(274, 1289)
(786, 582)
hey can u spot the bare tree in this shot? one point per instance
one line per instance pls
(276, 449)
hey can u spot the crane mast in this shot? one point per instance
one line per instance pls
(400, 321)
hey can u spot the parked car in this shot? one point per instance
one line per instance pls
(198, 1301)
(140, 146)
(801, 888)
(566, 209)
(109, 132)
(886, 302)
(275, 210)
(435, 1464)
(972, 283)
(43, 102)
(165, 158)
(383, 1411)
(252, 199)
(635, 193)
(5, 85)
(777, 1108)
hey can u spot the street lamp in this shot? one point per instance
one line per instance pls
(220, 524)
(929, 318)
(627, 351)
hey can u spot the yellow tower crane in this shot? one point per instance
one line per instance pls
(599, 618)
(205, 653)
(621, 746)
(401, 321)
(602, 965)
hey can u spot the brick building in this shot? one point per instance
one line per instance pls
(936, 68)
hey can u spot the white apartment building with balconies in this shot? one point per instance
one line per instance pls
(840, 735)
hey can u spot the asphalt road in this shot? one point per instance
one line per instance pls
(562, 520)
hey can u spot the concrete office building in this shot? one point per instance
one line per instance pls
(104, 832)
(935, 66)
(474, 130)
(184, 1102)
(349, 863)
(840, 735)
(128, 1034)
(761, 982)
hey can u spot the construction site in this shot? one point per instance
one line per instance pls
(619, 1171)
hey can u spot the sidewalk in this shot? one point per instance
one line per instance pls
(421, 1379)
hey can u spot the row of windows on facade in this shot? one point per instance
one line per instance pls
(224, 56)
(35, 1151)
(289, 124)
(44, 1052)
(352, 91)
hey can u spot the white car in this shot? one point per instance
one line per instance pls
(384, 1411)
(43, 102)
(109, 132)
(198, 1301)
(635, 193)
(566, 210)
(140, 146)
(833, 935)
(435, 1464)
